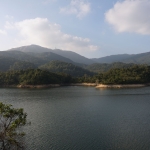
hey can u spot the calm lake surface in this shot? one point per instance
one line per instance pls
(84, 118)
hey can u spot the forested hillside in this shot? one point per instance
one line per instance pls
(68, 68)
(7, 63)
(104, 67)
(35, 58)
(68, 56)
(33, 77)
(112, 58)
(132, 75)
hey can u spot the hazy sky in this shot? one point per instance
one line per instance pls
(93, 28)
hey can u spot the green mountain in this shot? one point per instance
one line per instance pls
(31, 48)
(49, 56)
(7, 63)
(22, 65)
(35, 58)
(142, 58)
(21, 56)
(133, 75)
(65, 54)
(97, 67)
(68, 56)
(112, 58)
(68, 68)
(32, 77)
(74, 56)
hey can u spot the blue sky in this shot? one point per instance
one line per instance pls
(92, 28)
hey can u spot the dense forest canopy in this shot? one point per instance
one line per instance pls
(68, 68)
(104, 67)
(33, 77)
(131, 75)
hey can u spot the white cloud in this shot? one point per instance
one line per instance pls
(130, 16)
(3, 32)
(9, 17)
(41, 32)
(48, 1)
(80, 8)
(9, 25)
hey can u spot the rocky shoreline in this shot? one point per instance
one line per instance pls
(122, 85)
(78, 84)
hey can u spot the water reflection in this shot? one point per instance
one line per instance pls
(84, 117)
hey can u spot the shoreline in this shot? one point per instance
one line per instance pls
(78, 84)
(122, 85)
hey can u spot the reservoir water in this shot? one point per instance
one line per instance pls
(84, 118)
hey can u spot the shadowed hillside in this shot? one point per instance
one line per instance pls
(68, 68)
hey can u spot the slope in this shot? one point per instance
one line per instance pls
(7, 63)
(67, 54)
(63, 67)
(112, 58)
(142, 58)
(104, 67)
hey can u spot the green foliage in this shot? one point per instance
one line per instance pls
(104, 67)
(86, 79)
(22, 65)
(130, 75)
(68, 68)
(37, 77)
(11, 119)
(33, 77)
(7, 63)
(133, 75)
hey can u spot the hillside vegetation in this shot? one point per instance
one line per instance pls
(99, 67)
(77, 58)
(68, 68)
(33, 77)
(7, 63)
(132, 75)
(69, 56)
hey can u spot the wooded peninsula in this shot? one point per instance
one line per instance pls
(137, 74)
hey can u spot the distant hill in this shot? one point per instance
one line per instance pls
(21, 56)
(7, 63)
(74, 56)
(22, 65)
(104, 67)
(142, 58)
(112, 58)
(68, 68)
(49, 56)
(35, 58)
(31, 48)
(67, 54)
(40, 55)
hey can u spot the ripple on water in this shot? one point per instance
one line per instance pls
(72, 118)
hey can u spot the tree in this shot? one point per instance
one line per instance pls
(11, 119)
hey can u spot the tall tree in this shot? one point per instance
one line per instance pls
(11, 119)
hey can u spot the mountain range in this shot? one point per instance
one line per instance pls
(69, 56)
(34, 56)
(72, 56)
